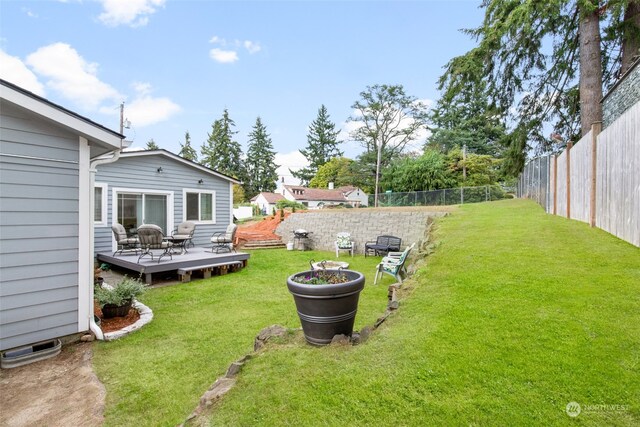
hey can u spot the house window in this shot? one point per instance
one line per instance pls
(100, 204)
(199, 206)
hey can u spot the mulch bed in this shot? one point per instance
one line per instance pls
(116, 323)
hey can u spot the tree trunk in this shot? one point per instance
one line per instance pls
(590, 70)
(630, 36)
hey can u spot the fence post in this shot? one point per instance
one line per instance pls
(569, 146)
(555, 184)
(596, 128)
(462, 195)
(486, 193)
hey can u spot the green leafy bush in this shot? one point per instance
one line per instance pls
(125, 290)
(284, 203)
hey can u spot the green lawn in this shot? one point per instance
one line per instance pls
(515, 315)
(157, 375)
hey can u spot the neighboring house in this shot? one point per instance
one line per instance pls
(46, 244)
(314, 198)
(162, 188)
(355, 196)
(266, 201)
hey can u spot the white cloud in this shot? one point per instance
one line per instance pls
(252, 47)
(293, 160)
(13, 70)
(223, 56)
(146, 110)
(134, 13)
(71, 76)
(230, 52)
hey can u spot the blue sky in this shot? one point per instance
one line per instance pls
(178, 64)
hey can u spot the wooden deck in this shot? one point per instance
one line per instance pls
(196, 259)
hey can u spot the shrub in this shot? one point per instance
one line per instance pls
(125, 290)
(284, 203)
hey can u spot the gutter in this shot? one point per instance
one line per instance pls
(93, 326)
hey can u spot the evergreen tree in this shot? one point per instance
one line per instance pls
(467, 119)
(545, 62)
(186, 150)
(322, 146)
(260, 163)
(151, 145)
(220, 152)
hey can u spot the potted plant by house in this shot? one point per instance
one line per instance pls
(327, 302)
(116, 301)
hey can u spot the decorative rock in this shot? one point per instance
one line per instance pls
(355, 338)
(217, 390)
(87, 338)
(381, 319)
(233, 370)
(340, 339)
(393, 305)
(365, 333)
(266, 334)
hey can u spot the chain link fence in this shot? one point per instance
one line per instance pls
(448, 196)
(534, 181)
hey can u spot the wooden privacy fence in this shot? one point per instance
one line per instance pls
(597, 180)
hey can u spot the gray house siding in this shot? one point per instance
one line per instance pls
(38, 228)
(140, 172)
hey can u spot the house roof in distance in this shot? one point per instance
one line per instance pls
(320, 194)
(269, 197)
(169, 154)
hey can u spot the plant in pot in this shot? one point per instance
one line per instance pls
(116, 301)
(327, 302)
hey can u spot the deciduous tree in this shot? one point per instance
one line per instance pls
(387, 119)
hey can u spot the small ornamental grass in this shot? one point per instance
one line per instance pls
(321, 277)
(123, 292)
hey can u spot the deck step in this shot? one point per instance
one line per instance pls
(264, 244)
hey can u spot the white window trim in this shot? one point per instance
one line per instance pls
(103, 221)
(199, 191)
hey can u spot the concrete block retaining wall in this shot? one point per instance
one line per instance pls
(364, 225)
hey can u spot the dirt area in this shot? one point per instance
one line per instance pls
(261, 230)
(61, 391)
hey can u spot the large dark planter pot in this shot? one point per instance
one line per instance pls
(326, 310)
(111, 310)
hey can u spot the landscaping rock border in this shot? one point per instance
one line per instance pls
(146, 315)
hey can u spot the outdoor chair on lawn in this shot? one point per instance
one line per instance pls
(151, 237)
(344, 243)
(383, 245)
(393, 265)
(124, 242)
(182, 235)
(223, 241)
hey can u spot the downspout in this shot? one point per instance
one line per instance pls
(93, 326)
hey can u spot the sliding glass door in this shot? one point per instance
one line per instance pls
(133, 209)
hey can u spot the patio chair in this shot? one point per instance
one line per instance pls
(182, 235)
(382, 245)
(344, 243)
(393, 265)
(151, 237)
(123, 241)
(223, 241)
